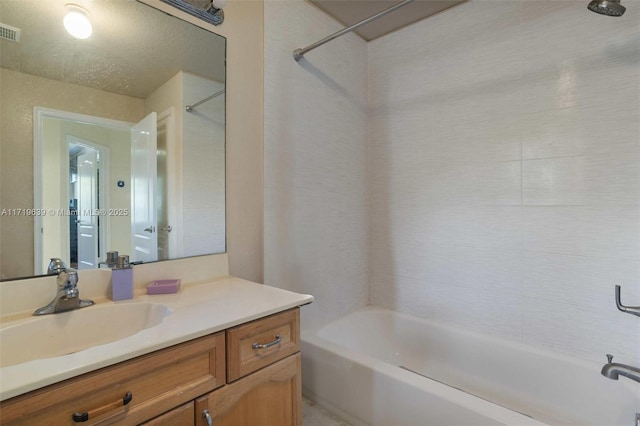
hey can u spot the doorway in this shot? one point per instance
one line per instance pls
(75, 158)
(88, 175)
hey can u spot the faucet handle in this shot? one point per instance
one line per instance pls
(70, 286)
(610, 358)
(68, 279)
(72, 277)
(56, 266)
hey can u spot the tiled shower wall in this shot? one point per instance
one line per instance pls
(505, 173)
(487, 159)
(315, 145)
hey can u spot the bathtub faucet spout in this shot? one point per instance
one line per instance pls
(612, 370)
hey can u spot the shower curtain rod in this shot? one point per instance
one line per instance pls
(299, 53)
(190, 108)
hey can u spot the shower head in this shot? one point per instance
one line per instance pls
(607, 7)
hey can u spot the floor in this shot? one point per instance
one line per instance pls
(314, 415)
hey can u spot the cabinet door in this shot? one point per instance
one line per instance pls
(269, 397)
(181, 416)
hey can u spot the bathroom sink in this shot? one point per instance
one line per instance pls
(60, 334)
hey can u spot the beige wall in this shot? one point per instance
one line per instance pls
(243, 28)
(16, 169)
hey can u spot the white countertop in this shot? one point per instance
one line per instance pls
(196, 310)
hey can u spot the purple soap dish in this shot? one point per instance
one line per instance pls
(163, 287)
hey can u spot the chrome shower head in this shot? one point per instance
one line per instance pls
(607, 7)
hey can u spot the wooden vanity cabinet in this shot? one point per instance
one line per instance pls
(247, 375)
(264, 385)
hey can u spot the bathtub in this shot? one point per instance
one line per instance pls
(378, 367)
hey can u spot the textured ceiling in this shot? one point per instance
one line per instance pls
(349, 12)
(133, 49)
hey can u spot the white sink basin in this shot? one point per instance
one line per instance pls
(54, 335)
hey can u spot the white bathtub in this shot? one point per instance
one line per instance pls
(353, 367)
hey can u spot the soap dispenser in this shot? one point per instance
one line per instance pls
(122, 279)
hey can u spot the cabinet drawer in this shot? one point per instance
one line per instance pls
(157, 383)
(259, 343)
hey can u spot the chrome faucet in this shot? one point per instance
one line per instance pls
(68, 295)
(612, 370)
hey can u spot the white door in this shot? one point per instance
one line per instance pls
(87, 205)
(143, 190)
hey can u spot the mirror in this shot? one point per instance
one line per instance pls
(115, 142)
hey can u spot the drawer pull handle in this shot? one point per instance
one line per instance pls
(267, 345)
(83, 417)
(207, 417)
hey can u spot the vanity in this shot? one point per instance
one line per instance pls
(226, 352)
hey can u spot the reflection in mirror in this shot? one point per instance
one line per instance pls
(110, 143)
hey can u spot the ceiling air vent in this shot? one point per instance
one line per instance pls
(9, 33)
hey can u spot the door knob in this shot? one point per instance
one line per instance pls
(150, 229)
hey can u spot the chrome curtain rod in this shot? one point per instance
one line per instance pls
(299, 53)
(190, 108)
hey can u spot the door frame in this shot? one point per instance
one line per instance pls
(174, 183)
(104, 177)
(39, 115)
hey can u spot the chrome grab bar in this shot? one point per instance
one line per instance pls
(633, 310)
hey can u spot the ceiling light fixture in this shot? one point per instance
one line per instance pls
(76, 21)
(216, 12)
